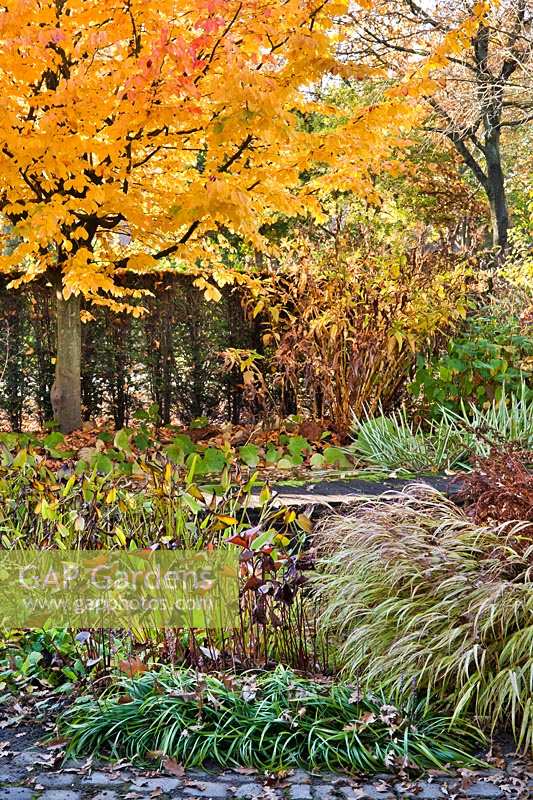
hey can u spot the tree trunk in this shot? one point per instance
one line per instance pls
(166, 351)
(499, 212)
(66, 391)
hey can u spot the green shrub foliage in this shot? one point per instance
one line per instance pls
(170, 356)
(492, 352)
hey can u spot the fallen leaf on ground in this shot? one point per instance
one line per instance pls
(172, 766)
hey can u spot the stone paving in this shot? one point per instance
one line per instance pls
(30, 771)
(341, 492)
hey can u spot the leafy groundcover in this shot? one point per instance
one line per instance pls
(271, 721)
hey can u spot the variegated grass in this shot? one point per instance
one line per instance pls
(416, 593)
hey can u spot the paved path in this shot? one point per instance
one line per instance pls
(29, 771)
(338, 492)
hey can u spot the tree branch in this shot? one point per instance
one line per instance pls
(225, 32)
(515, 123)
(237, 154)
(173, 248)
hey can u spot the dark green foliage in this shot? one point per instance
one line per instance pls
(183, 335)
(27, 330)
(14, 359)
(44, 344)
(169, 356)
(492, 352)
(268, 721)
(111, 345)
(55, 657)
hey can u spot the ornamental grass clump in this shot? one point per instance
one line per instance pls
(507, 420)
(268, 721)
(416, 592)
(396, 442)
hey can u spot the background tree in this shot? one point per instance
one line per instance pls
(486, 88)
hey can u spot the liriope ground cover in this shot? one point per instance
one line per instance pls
(269, 721)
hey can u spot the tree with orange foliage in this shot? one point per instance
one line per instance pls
(136, 135)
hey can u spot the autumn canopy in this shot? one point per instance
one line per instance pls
(137, 135)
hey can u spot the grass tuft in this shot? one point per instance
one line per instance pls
(507, 420)
(416, 592)
(396, 442)
(269, 721)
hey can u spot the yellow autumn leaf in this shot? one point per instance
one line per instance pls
(141, 262)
